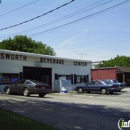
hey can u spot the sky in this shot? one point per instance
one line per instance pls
(93, 30)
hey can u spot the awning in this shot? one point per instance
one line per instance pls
(122, 69)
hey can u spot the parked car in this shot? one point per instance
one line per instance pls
(114, 81)
(97, 85)
(27, 87)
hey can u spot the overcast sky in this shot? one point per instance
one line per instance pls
(101, 32)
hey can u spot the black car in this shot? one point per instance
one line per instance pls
(97, 85)
(27, 87)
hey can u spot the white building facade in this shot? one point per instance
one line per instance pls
(48, 69)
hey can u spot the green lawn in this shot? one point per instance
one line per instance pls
(13, 121)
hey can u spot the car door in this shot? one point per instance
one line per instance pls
(97, 85)
(19, 86)
(89, 86)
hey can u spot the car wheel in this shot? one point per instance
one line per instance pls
(26, 92)
(103, 91)
(8, 91)
(80, 90)
(41, 95)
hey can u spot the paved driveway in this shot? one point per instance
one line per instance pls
(73, 111)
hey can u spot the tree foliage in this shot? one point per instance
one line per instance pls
(25, 44)
(117, 61)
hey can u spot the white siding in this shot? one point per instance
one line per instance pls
(16, 66)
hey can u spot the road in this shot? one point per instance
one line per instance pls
(73, 111)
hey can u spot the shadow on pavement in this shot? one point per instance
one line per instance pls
(67, 116)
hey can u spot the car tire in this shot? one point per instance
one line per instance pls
(103, 91)
(111, 92)
(8, 91)
(41, 95)
(26, 92)
(88, 91)
(80, 90)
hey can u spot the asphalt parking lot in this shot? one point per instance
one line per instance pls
(73, 111)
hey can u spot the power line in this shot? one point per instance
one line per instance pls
(70, 15)
(75, 22)
(83, 18)
(65, 17)
(37, 16)
(18, 8)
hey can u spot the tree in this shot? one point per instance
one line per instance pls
(117, 61)
(25, 44)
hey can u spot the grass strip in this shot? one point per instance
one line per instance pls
(12, 121)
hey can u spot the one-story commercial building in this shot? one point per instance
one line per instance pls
(18, 65)
(121, 73)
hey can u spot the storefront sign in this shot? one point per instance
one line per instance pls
(13, 57)
(78, 63)
(50, 60)
(8, 56)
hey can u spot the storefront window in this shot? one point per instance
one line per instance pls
(67, 77)
(8, 78)
(81, 79)
(5, 80)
